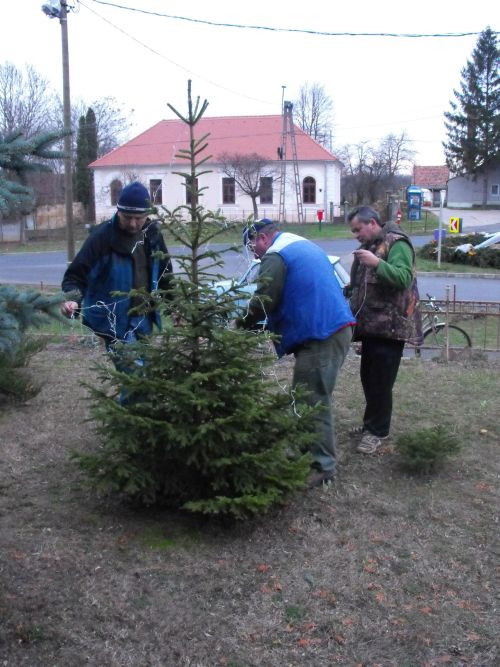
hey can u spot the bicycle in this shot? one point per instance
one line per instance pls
(435, 331)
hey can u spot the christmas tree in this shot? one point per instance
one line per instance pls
(207, 428)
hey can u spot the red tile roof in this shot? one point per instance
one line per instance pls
(229, 134)
(431, 177)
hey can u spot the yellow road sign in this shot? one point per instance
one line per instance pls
(455, 225)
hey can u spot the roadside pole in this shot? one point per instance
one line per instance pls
(440, 230)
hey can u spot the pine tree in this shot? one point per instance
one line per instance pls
(16, 159)
(20, 310)
(206, 427)
(86, 152)
(473, 124)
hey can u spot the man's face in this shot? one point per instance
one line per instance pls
(364, 231)
(260, 244)
(131, 223)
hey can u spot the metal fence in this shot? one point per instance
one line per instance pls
(479, 319)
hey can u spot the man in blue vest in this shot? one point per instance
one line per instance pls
(299, 295)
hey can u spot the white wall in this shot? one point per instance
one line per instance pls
(327, 176)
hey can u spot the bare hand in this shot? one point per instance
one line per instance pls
(69, 308)
(367, 258)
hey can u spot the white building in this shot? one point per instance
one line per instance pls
(152, 158)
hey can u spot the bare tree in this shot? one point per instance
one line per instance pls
(313, 112)
(112, 122)
(395, 153)
(27, 101)
(370, 171)
(251, 173)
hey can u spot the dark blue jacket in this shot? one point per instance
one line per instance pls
(101, 268)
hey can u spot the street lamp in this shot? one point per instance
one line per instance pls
(59, 10)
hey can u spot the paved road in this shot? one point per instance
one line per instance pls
(48, 268)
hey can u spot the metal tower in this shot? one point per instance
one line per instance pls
(289, 131)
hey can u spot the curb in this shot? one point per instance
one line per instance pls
(445, 274)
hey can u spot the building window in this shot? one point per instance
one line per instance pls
(495, 190)
(228, 191)
(115, 189)
(155, 191)
(309, 190)
(189, 192)
(266, 190)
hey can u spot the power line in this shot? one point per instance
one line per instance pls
(172, 62)
(303, 31)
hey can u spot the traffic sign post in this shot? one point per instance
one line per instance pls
(442, 194)
(455, 225)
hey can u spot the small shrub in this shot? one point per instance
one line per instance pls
(425, 449)
(485, 257)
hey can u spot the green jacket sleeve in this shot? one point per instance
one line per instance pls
(270, 284)
(397, 270)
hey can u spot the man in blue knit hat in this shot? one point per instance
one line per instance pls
(119, 257)
(298, 293)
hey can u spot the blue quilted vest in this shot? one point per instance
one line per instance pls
(312, 306)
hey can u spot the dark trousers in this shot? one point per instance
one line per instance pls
(380, 358)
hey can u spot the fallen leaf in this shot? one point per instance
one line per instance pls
(328, 596)
(340, 639)
(265, 588)
(472, 637)
(371, 568)
(277, 586)
(425, 610)
(482, 486)
(303, 642)
(372, 586)
(347, 621)
(309, 626)
(380, 596)
(263, 567)
(465, 604)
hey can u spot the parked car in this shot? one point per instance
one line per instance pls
(247, 283)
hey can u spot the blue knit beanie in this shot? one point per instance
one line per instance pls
(134, 198)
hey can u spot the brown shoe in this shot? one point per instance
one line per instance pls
(320, 477)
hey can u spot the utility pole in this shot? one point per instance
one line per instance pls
(62, 13)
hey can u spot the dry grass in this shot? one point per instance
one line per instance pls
(380, 569)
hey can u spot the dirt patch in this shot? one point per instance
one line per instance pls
(380, 568)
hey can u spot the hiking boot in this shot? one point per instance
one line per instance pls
(369, 443)
(320, 477)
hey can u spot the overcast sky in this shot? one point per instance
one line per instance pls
(378, 84)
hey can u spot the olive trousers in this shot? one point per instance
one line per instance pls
(317, 363)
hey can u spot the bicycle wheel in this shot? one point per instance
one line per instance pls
(436, 337)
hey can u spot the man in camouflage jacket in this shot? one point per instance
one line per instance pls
(384, 299)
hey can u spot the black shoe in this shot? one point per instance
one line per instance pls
(319, 477)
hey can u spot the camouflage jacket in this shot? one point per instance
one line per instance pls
(381, 309)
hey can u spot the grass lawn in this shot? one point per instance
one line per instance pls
(380, 569)
(451, 267)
